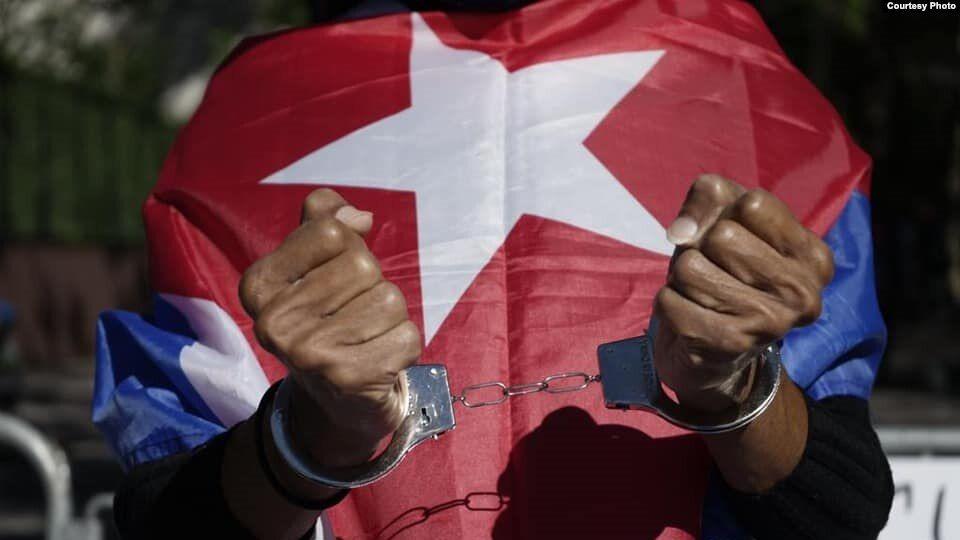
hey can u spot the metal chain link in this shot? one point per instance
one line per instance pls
(554, 384)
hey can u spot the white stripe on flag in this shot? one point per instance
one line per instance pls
(221, 366)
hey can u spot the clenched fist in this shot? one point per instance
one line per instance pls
(322, 306)
(744, 273)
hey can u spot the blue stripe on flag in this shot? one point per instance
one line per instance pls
(840, 353)
(143, 402)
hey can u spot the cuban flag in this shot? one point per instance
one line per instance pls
(521, 167)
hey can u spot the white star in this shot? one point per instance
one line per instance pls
(481, 147)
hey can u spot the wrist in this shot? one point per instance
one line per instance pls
(293, 490)
(754, 458)
(712, 396)
(429, 393)
(325, 441)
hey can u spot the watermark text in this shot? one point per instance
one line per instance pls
(922, 6)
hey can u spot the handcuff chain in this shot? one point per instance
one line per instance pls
(552, 385)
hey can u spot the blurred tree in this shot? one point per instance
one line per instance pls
(91, 93)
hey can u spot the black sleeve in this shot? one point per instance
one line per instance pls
(179, 495)
(841, 489)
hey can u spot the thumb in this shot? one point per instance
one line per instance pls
(360, 221)
(326, 202)
(708, 197)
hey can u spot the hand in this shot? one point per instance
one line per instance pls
(744, 273)
(322, 306)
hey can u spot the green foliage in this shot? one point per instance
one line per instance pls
(79, 164)
(282, 13)
(81, 138)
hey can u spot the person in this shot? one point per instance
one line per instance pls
(744, 272)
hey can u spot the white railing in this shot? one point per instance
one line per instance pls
(51, 464)
(898, 440)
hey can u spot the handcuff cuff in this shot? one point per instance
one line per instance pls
(627, 375)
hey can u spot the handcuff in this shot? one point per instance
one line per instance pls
(627, 375)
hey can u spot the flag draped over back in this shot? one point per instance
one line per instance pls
(521, 168)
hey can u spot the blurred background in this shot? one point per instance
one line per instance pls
(92, 93)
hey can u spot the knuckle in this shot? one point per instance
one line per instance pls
(754, 203)
(687, 268)
(803, 298)
(723, 234)
(330, 233)
(409, 338)
(248, 287)
(772, 324)
(364, 267)
(669, 311)
(811, 305)
(822, 258)
(713, 185)
(268, 330)
(390, 298)
(320, 200)
(791, 291)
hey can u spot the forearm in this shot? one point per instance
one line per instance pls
(840, 487)
(755, 458)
